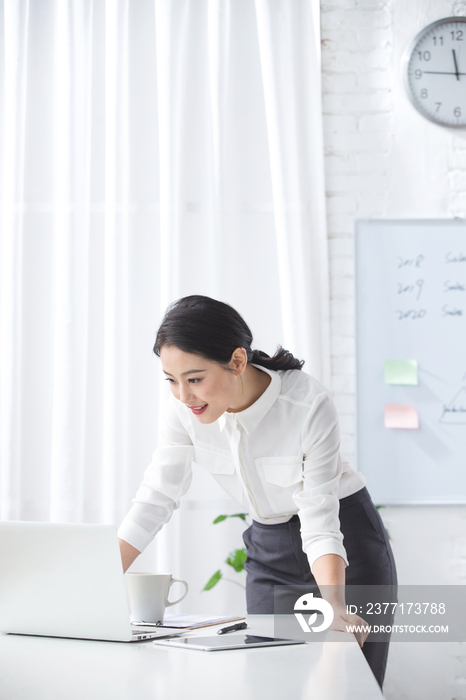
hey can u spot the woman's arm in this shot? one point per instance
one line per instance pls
(165, 481)
(329, 572)
(318, 507)
(128, 554)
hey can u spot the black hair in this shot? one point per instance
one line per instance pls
(209, 328)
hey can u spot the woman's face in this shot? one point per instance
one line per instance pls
(204, 386)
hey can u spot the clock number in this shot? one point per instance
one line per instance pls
(418, 74)
(439, 104)
(424, 93)
(457, 111)
(424, 55)
(459, 35)
(439, 39)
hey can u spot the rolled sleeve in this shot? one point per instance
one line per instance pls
(134, 534)
(165, 481)
(317, 499)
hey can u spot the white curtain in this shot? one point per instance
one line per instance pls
(149, 150)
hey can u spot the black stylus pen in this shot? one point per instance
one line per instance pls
(233, 628)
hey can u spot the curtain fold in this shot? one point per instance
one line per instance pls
(68, 365)
(150, 150)
(218, 39)
(291, 81)
(15, 53)
(116, 251)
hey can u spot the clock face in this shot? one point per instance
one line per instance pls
(435, 72)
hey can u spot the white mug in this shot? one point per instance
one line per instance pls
(148, 595)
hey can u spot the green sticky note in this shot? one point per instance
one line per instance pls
(401, 372)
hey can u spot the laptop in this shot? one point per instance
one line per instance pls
(65, 580)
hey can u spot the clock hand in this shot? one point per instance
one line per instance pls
(456, 65)
(442, 72)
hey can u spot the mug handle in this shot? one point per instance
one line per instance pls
(177, 580)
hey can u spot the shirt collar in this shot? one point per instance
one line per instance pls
(250, 418)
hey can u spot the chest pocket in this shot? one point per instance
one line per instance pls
(281, 471)
(214, 462)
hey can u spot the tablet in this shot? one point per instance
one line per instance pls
(224, 642)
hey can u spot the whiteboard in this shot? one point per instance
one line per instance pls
(411, 305)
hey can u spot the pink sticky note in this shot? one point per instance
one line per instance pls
(401, 415)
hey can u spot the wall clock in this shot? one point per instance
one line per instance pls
(434, 67)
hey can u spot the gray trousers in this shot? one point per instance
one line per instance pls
(275, 557)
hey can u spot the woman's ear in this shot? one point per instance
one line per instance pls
(239, 360)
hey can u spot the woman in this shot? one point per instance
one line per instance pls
(269, 435)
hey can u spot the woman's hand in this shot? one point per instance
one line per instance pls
(329, 572)
(343, 621)
(128, 554)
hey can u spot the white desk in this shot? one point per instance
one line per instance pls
(36, 668)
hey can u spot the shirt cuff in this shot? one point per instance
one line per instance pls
(326, 546)
(134, 534)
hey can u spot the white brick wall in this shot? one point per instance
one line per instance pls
(384, 160)
(357, 101)
(363, 104)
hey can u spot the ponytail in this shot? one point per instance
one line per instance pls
(283, 359)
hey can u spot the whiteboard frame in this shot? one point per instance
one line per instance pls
(390, 223)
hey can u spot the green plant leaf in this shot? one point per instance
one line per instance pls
(236, 559)
(219, 519)
(213, 581)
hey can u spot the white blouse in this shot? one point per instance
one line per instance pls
(279, 457)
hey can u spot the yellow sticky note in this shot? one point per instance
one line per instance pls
(401, 372)
(401, 416)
